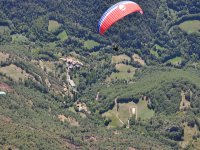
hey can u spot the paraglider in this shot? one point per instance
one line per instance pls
(116, 13)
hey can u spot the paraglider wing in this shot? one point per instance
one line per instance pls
(117, 12)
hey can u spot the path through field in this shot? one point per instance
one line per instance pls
(131, 110)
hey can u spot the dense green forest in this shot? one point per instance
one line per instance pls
(144, 96)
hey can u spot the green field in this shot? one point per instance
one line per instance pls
(158, 47)
(143, 111)
(126, 72)
(19, 38)
(111, 114)
(53, 25)
(155, 53)
(124, 113)
(154, 50)
(175, 61)
(190, 26)
(89, 44)
(57, 57)
(14, 72)
(63, 36)
(125, 68)
(95, 54)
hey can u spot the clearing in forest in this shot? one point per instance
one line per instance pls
(190, 26)
(175, 61)
(14, 72)
(53, 25)
(125, 72)
(138, 59)
(63, 36)
(89, 44)
(120, 59)
(120, 114)
(19, 38)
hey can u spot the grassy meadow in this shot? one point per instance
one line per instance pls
(190, 26)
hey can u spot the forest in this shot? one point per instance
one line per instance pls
(50, 103)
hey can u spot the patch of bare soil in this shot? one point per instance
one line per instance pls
(3, 56)
(138, 59)
(184, 104)
(5, 119)
(14, 72)
(5, 87)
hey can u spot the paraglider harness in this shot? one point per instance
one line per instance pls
(115, 47)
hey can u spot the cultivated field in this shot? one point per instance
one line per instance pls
(120, 59)
(138, 59)
(125, 111)
(190, 26)
(143, 111)
(14, 72)
(125, 68)
(126, 72)
(175, 61)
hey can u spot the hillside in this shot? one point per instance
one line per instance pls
(65, 88)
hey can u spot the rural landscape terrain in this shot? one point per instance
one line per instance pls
(62, 86)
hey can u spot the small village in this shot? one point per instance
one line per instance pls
(70, 87)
